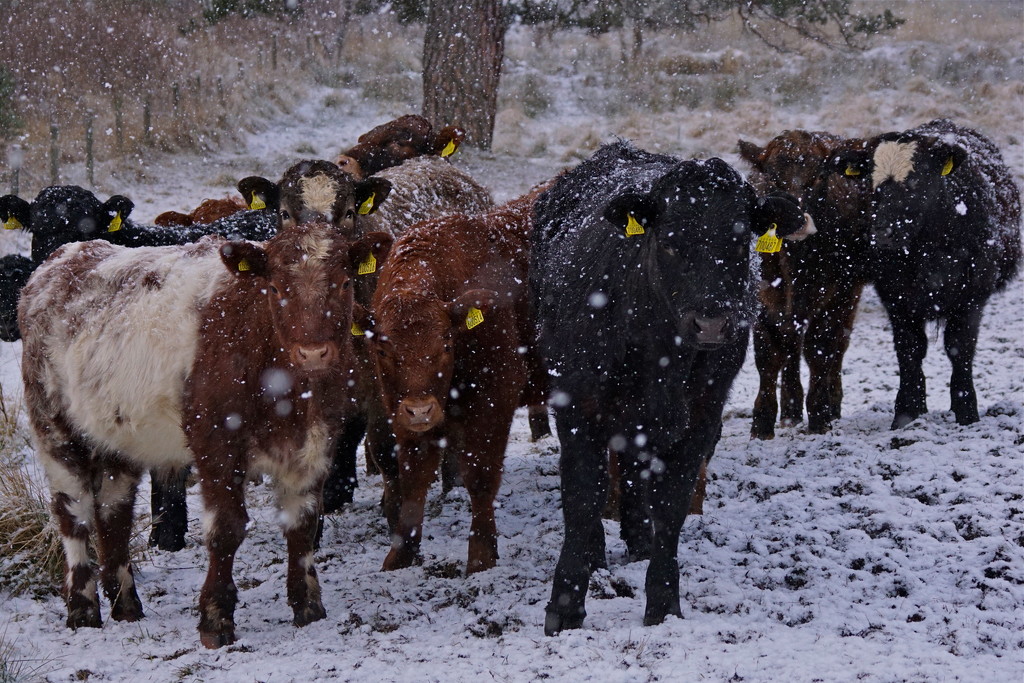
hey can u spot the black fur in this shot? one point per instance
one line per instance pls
(15, 270)
(941, 246)
(642, 336)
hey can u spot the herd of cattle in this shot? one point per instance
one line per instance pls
(383, 297)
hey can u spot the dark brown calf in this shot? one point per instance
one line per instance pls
(391, 143)
(453, 344)
(234, 354)
(810, 288)
(208, 211)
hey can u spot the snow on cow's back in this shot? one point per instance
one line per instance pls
(112, 334)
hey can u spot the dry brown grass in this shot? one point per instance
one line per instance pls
(33, 560)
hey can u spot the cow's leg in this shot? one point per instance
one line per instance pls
(911, 346)
(825, 345)
(115, 501)
(224, 523)
(634, 517)
(482, 460)
(539, 424)
(385, 460)
(961, 342)
(380, 441)
(67, 465)
(670, 499)
(341, 478)
(299, 510)
(169, 508)
(417, 466)
(584, 476)
(770, 357)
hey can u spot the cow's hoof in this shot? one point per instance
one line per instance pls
(401, 559)
(653, 617)
(126, 610)
(85, 617)
(902, 420)
(212, 640)
(309, 614)
(555, 623)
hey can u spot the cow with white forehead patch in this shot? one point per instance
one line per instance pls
(234, 355)
(314, 189)
(945, 235)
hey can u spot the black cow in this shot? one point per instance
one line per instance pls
(15, 270)
(640, 277)
(945, 237)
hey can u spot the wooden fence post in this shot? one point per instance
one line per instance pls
(147, 120)
(90, 162)
(54, 154)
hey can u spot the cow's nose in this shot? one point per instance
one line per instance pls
(314, 356)
(419, 414)
(711, 330)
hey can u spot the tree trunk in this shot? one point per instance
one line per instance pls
(462, 54)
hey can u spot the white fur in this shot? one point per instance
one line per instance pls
(121, 375)
(295, 473)
(893, 160)
(319, 193)
(114, 491)
(76, 553)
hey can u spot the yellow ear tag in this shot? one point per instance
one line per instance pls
(367, 206)
(257, 203)
(243, 266)
(368, 266)
(633, 227)
(357, 331)
(115, 224)
(768, 243)
(449, 149)
(474, 318)
(12, 223)
(851, 171)
(947, 168)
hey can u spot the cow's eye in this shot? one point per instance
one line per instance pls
(285, 215)
(350, 214)
(274, 290)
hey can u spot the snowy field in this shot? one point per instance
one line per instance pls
(860, 555)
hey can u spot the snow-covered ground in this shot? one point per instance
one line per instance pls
(863, 554)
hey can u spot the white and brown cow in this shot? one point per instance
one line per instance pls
(234, 355)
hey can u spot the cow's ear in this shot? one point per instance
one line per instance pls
(751, 153)
(260, 193)
(349, 165)
(631, 213)
(370, 194)
(244, 259)
(471, 308)
(851, 164)
(780, 212)
(947, 156)
(117, 208)
(448, 140)
(15, 213)
(363, 324)
(368, 253)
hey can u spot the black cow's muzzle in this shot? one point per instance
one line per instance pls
(706, 332)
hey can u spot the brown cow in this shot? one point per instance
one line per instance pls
(810, 288)
(391, 143)
(453, 344)
(234, 354)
